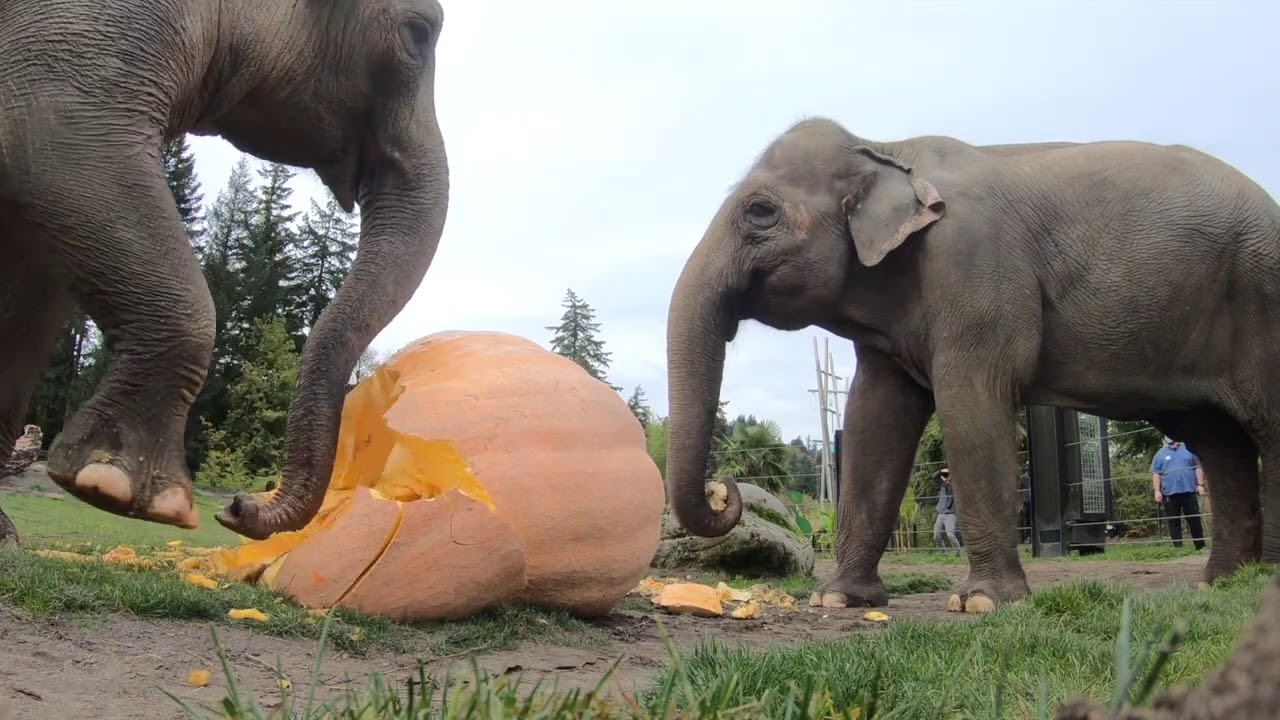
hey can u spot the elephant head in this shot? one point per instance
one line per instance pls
(794, 240)
(345, 87)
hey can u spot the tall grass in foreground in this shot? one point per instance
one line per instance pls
(1019, 662)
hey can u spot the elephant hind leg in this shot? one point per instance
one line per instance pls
(1230, 458)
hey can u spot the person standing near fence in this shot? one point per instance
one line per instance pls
(946, 520)
(1176, 481)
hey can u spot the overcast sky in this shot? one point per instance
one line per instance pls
(590, 141)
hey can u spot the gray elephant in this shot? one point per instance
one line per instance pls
(89, 94)
(1124, 279)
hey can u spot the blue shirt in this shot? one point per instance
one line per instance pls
(1177, 469)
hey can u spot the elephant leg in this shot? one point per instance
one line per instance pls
(34, 306)
(980, 425)
(884, 418)
(139, 280)
(1230, 458)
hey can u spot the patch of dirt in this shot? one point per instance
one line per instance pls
(34, 480)
(116, 667)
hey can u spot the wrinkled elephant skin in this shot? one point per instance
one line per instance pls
(1123, 279)
(90, 93)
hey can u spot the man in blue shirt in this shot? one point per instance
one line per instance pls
(1177, 479)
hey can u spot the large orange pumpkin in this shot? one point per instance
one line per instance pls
(473, 469)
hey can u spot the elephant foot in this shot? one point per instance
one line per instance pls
(848, 591)
(983, 596)
(124, 470)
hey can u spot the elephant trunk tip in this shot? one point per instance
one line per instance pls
(715, 513)
(257, 521)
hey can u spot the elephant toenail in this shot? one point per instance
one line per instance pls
(953, 603)
(834, 600)
(979, 604)
(106, 480)
(174, 506)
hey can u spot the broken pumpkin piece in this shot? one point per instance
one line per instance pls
(691, 599)
(199, 678)
(747, 611)
(248, 614)
(199, 580)
(460, 463)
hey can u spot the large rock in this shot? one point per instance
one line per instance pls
(756, 496)
(26, 450)
(756, 547)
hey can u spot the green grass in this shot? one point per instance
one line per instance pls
(1061, 641)
(1063, 636)
(43, 520)
(1116, 550)
(1080, 639)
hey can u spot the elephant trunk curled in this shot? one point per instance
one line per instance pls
(699, 324)
(403, 213)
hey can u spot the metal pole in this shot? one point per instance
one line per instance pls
(825, 487)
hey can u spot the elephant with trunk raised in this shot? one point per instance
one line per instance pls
(1124, 279)
(90, 91)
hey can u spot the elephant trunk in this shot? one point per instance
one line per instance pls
(403, 211)
(700, 322)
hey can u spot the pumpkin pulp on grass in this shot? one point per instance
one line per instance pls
(372, 458)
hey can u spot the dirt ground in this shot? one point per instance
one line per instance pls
(117, 667)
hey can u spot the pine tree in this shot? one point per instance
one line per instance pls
(326, 248)
(639, 407)
(267, 264)
(230, 220)
(575, 338)
(180, 169)
(261, 396)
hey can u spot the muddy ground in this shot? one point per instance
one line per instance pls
(116, 667)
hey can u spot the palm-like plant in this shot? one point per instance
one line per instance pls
(756, 454)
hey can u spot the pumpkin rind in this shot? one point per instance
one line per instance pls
(523, 479)
(451, 558)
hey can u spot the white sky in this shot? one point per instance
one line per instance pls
(590, 141)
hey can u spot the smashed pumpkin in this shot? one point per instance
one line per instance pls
(473, 469)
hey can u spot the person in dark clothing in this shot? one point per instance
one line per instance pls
(1176, 481)
(946, 520)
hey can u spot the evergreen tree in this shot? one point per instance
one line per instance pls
(180, 169)
(640, 407)
(230, 220)
(77, 365)
(267, 266)
(260, 397)
(575, 338)
(326, 248)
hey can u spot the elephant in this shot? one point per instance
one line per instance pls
(90, 93)
(1146, 274)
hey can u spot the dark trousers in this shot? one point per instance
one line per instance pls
(1181, 505)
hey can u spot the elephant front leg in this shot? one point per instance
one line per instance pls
(884, 418)
(981, 437)
(138, 279)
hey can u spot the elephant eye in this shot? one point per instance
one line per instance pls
(762, 214)
(415, 37)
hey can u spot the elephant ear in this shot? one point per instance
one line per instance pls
(885, 204)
